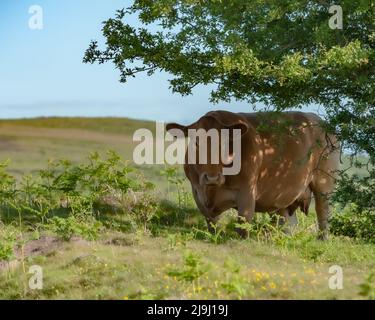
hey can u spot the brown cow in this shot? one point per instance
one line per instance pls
(282, 158)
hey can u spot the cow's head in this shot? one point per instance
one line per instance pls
(208, 130)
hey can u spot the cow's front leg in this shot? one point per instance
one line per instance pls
(246, 211)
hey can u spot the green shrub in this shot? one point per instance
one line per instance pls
(367, 288)
(80, 191)
(263, 226)
(86, 227)
(8, 237)
(354, 223)
(192, 270)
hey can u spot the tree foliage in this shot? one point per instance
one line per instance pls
(280, 53)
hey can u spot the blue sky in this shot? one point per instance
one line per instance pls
(42, 74)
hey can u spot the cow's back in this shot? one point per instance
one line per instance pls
(290, 145)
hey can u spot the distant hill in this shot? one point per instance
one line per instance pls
(29, 143)
(107, 125)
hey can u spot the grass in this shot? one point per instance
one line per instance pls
(166, 255)
(143, 266)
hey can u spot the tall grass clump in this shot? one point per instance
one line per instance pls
(71, 199)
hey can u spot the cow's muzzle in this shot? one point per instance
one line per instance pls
(212, 180)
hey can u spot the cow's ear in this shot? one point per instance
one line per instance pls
(177, 130)
(244, 127)
(230, 120)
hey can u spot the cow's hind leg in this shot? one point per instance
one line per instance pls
(323, 183)
(322, 211)
(322, 186)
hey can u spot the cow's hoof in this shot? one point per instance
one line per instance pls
(323, 236)
(211, 227)
(211, 230)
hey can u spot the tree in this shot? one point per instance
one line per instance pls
(281, 53)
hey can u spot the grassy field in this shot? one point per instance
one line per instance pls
(166, 255)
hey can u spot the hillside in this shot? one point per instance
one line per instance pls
(29, 143)
(71, 138)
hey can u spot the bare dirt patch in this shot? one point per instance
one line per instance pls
(42, 246)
